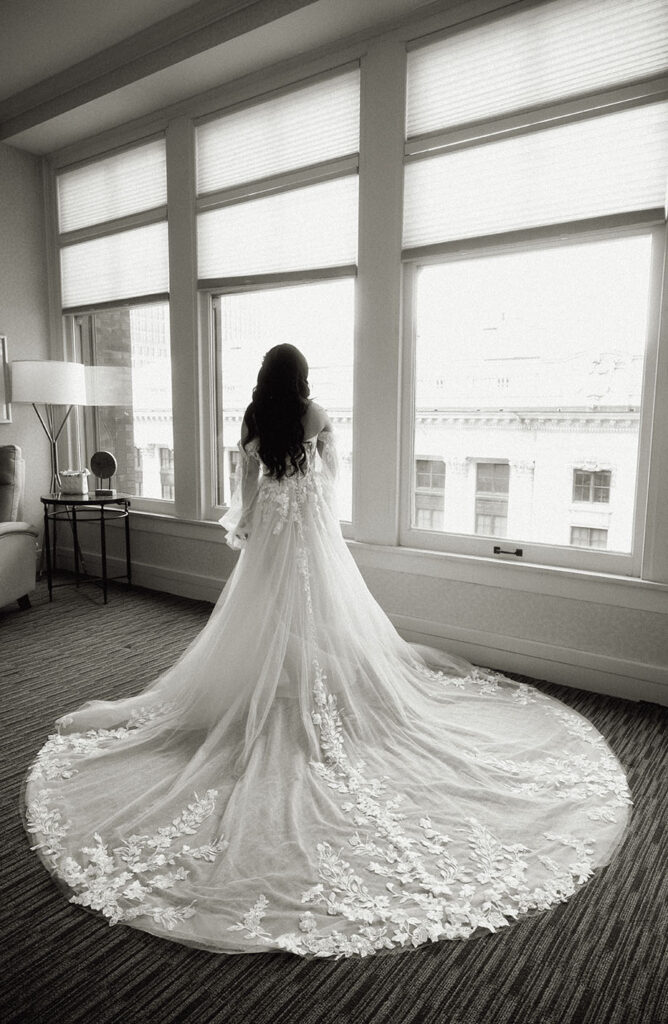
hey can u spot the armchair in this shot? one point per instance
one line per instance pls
(18, 540)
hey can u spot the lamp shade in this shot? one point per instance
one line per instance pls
(48, 382)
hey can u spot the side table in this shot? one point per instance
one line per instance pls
(65, 506)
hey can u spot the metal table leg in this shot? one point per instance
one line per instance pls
(47, 549)
(75, 539)
(103, 550)
(128, 564)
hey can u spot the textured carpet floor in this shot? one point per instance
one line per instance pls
(598, 959)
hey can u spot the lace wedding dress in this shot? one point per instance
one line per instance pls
(303, 779)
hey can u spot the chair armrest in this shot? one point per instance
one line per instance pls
(7, 528)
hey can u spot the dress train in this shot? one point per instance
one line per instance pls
(303, 779)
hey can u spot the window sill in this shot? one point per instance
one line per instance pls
(553, 581)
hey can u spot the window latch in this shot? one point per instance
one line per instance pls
(503, 551)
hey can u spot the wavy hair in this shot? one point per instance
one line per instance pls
(280, 400)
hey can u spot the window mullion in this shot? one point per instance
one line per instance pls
(378, 335)
(183, 318)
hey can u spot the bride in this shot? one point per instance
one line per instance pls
(304, 779)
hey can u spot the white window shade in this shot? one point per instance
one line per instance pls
(305, 126)
(131, 181)
(608, 164)
(301, 229)
(119, 266)
(534, 57)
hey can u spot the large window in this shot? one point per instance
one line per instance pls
(536, 355)
(277, 249)
(511, 384)
(530, 271)
(114, 281)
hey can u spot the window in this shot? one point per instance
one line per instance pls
(137, 428)
(429, 494)
(588, 537)
(114, 281)
(277, 249)
(530, 256)
(318, 318)
(591, 486)
(491, 498)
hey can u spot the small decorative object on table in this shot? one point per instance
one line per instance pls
(74, 481)
(104, 466)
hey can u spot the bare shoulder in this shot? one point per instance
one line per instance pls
(315, 420)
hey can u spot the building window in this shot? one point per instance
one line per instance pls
(491, 498)
(429, 494)
(167, 473)
(591, 486)
(587, 537)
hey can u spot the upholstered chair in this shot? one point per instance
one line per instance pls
(18, 541)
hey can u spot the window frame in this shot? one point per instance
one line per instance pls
(540, 554)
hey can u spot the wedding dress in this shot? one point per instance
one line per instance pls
(304, 779)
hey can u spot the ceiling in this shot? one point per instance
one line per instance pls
(74, 68)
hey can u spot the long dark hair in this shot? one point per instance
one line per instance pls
(280, 400)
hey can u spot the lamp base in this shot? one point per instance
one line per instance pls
(105, 492)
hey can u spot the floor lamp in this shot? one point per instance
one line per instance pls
(56, 386)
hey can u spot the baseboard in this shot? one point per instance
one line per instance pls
(584, 670)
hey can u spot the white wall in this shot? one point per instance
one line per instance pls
(24, 306)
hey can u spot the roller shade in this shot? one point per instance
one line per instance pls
(608, 164)
(117, 266)
(536, 56)
(306, 126)
(300, 229)
(132, 181)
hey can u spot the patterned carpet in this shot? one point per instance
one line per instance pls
(598, 959)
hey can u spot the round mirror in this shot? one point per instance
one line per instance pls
(103, 465)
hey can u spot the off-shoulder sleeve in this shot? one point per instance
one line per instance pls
(246, 481)
(329, 467)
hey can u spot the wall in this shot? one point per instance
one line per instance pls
(24, 306)
(609, 635)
